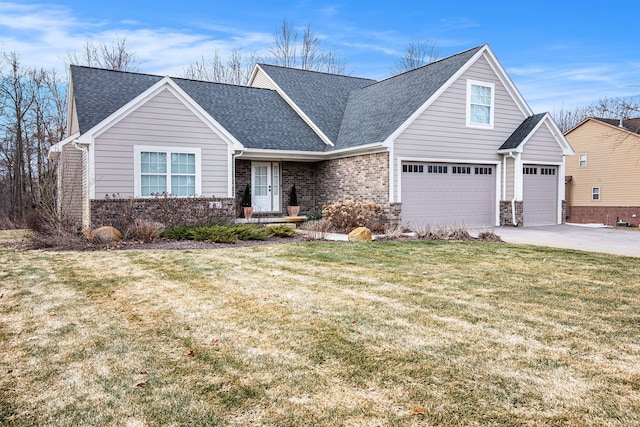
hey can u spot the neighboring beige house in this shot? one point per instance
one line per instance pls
(603, 179)
(450, 143)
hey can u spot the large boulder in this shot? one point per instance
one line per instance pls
(106, 234)
(360, 234)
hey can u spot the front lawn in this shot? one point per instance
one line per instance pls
(389, 333)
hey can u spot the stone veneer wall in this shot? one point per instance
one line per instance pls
(366, 176)
(506, 218)
(598, 214)
(316, 183)
(170, 211)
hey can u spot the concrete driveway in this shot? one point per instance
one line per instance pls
(583, 238)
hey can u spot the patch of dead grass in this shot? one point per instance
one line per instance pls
(320, 334)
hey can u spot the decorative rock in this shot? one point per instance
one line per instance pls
(106, 234)
(360, 234)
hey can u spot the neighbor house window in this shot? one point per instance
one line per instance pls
(595, 193)
(583, 160)
(480, 101)
(174, 171)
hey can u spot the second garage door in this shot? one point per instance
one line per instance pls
(448, 194)
(540, 195)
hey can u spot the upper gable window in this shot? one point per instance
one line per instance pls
(480, 104)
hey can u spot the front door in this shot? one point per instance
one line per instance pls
(265, 186)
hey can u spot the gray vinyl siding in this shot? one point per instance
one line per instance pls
(71, 186)
(510, 175)
(261, 80)
(163, 121)
(542, 147)
(441, 131)
(73, 125)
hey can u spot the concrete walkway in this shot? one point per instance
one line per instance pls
(570, 236)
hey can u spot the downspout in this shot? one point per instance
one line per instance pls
(86, 207)
(514, 221)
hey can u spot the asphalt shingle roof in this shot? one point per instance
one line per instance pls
(99, 93)
(351, 111)
(258, 118)
(521, 133)
(321, 96)
(374, 112)
(632, 125)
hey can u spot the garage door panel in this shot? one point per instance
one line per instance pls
(540, 195)
(449, 198)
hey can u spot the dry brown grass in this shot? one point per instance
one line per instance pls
(8, 237)
(412, 333)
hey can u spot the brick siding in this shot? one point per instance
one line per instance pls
(599, 214)
(170, 211)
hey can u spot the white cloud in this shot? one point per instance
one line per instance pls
(43, 39)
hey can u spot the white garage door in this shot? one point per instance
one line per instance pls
(448, 194)
(540, 195)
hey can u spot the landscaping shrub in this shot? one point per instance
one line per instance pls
(392, 231)
(50, 231)
(429, 232)
(489, 236)
(227, 233)
(251, 232)
(144, 230)
(282, 230)
(459, 233)
(318, 229)
(212, 233)
(347, 213)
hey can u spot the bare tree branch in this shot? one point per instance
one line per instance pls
(116, 56)
(417, 53)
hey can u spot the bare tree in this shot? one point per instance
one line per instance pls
(605, 108)
(236, 70)
(309, 55)
(309, 49)
(17, 94)
(116, 56)
(284, 51)
(417, 53)
(289, 50)
(32, 109)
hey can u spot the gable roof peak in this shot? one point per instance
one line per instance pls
(264, 64)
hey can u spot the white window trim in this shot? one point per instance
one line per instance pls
(137, 149)
(585, 160)
(593, 193)
(492, 106)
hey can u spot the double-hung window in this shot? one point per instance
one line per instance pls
(172, 171)
(583, 161)
(480, 104)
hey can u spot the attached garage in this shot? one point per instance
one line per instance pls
(540, 195)
(448, 194)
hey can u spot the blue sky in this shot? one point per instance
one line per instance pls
(558, 53)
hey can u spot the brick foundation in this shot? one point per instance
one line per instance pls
(607, 215)
(170, 211)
